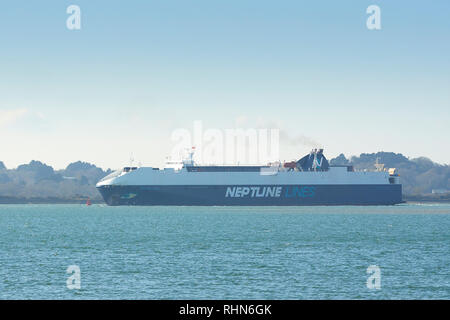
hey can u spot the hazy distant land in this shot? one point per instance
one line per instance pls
(36, 182)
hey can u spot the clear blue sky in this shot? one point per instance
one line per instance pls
(137, 70)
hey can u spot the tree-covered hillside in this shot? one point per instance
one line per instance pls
(418, 176)
(37, 180)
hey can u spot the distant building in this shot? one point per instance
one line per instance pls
(440, 191)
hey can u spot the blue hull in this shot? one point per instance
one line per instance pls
(281, 195)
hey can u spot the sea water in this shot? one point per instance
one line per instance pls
(101, 252)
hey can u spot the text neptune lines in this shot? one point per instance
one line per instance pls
(269, 192)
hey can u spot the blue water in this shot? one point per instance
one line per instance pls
(224, 252)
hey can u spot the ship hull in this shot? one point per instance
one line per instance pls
(251, 195)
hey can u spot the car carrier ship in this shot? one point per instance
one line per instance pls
(306, 182)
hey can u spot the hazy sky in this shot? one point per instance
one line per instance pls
(137, 70)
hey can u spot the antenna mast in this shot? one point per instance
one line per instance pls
(378, 165)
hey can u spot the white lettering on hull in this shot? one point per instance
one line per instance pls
(253, 192)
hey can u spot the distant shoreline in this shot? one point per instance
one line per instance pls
(12, 200)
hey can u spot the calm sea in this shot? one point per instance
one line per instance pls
(225, 252)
